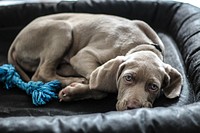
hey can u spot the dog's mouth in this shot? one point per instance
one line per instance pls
(133, 104)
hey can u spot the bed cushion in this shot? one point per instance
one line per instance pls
(178, 26)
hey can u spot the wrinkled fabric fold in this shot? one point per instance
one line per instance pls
(173, 119)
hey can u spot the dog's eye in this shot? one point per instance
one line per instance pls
(153, 87)
(128, 77)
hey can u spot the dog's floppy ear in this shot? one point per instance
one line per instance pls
(172, 82)
(104, 77)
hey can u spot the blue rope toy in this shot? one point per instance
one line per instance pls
(41, 92)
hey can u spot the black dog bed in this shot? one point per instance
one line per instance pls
(177, 24)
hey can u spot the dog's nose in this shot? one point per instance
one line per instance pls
(133, 104)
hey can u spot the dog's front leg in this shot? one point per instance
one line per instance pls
(79, 91)
(84, 63)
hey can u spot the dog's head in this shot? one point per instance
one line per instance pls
(138, 78)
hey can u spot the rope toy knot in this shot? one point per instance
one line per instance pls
(41, 92)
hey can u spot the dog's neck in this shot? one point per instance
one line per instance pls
(148, 47)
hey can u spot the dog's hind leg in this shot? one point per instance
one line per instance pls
(58, 39)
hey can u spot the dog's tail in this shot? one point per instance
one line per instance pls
(13, 61)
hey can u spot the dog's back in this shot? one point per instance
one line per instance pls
(104, 36)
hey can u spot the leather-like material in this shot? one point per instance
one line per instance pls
(177, 24)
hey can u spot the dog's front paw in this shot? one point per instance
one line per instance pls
(74, 91)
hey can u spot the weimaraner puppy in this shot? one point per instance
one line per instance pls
(92, 55)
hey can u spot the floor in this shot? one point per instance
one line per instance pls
(193, 2)
(5, 2)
